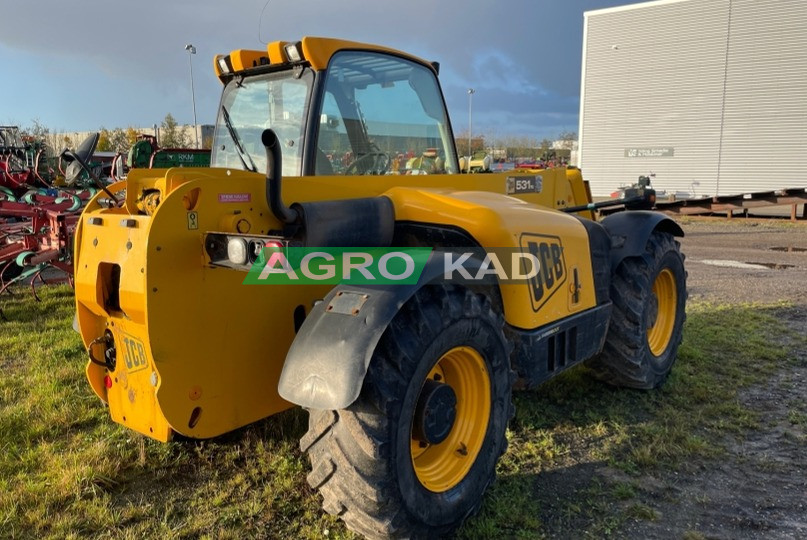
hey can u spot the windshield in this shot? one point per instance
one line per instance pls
(274, 100)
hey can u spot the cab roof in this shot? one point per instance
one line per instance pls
(315, 51)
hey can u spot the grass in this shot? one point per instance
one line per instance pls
(67, 471)
(573, 428)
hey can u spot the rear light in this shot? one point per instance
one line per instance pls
(263, 250)
(108, 381)
(239, 251)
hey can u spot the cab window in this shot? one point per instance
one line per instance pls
(249, 105)
(381, 114)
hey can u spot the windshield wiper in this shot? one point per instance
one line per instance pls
(242, 154)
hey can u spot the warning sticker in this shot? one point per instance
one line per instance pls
(235, 197)
(193, 221)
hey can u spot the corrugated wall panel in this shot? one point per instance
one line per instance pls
(766, 97)
(654, 77)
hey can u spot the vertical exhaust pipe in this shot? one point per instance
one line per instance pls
(274, 173)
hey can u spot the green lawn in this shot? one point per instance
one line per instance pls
(66, 470)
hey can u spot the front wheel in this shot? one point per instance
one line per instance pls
(414, 454)
(649, 308)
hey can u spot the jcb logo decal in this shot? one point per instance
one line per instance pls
(134, 353)
(552, 273)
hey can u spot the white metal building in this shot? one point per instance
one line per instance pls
(710, 95)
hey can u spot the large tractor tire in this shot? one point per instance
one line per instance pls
(649, 308)
(413, 456)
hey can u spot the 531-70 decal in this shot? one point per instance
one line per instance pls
(517, 185)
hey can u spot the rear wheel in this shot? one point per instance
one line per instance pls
(415, 453)
(649, 300)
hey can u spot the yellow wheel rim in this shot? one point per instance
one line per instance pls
(440, 467)
(659, 334)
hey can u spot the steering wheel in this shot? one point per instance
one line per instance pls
(372, 163)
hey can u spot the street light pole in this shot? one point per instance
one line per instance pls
(191, 51)
(470, 125)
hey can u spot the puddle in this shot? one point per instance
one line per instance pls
(746, 265)
(789, 249)
(772, 266)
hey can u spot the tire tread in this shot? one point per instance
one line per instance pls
(349, 453)
(624, 360)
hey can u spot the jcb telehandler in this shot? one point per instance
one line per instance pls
(408, 387)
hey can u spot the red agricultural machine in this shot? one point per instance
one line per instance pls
(23, 162)
(37, 218)
(40, 204)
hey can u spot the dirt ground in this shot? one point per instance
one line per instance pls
(759, 488)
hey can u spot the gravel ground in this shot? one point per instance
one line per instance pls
(726, 260)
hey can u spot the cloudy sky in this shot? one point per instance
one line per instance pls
(76, 66)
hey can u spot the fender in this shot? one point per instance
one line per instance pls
(329, 357)
(630, 232)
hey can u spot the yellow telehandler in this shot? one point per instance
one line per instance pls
(191, 329)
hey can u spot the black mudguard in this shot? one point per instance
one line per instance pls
(630, 232)
(327, 362)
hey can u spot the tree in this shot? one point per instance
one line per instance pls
(104, 144)
(171, 135)
(131, 136)
(567, 140)
(461, 142)
(207, 141)
(118, 141)
(36, 130)
(43, 135)
(520, 147)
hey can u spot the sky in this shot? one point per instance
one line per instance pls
(81, 66)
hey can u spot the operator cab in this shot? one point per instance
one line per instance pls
(349, 110)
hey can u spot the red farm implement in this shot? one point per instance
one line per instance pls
(23, 161)
(37, 220)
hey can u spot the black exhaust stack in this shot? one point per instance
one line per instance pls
(274, 172)
(366, 222)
